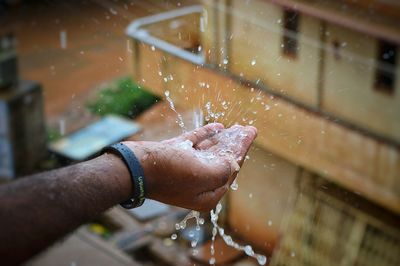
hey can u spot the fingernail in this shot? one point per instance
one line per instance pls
(218, 125)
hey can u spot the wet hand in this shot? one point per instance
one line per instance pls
(195, 169)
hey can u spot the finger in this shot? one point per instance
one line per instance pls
(251, 134)
(207, 201)
(252, 129)
(207, 143)
(202, 133)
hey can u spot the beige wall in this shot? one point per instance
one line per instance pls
(348, 90)
(331, 150)
(257, 34)
(149, 66)
(288, 136)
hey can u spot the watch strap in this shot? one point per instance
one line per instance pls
(136, 172)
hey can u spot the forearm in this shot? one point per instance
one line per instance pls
(38, 210)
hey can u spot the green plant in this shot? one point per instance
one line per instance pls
(53, 135)
(123, 97)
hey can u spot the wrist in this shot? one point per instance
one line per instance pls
(144, 152)
(118, 174)
(136, 172)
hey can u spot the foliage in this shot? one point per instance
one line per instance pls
(53, 135)
(123, 97)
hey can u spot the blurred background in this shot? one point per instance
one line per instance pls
(318, 78)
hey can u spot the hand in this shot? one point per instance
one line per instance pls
(195, 169)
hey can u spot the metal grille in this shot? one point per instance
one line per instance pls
(323, 230)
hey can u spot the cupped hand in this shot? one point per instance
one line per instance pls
(195, 169)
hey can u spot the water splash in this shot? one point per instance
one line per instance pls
(248, 250)
(198, 118)
(208, 156)
(212, 115)
(172, 106)
(193, 214)
(182, 225)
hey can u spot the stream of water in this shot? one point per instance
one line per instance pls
(217, 229)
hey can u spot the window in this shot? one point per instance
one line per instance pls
(385, 67)
(291, 28)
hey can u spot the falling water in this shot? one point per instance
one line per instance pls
(172, 106)
(248, 250)
(198, 121)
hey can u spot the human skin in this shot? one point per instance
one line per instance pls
(37, 210)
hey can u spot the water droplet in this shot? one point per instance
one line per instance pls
(218, 208)
(225, 61)
(262, 260)
(253, 62)
(174, 236)
(248, 250)
(113, 11)
(269, 222)
(234, 185)
(212, 261)
(63, 39)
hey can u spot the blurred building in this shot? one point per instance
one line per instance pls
(22, 129)
(320, 81)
